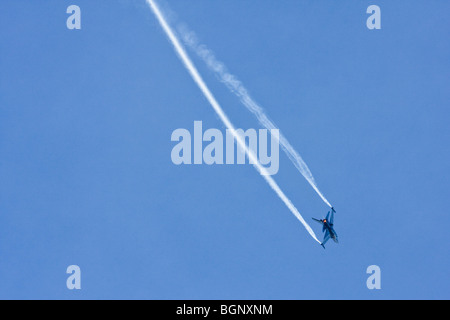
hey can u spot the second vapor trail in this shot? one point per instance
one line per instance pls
(237, 88)
(218, 109)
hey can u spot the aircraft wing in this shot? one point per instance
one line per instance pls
(332, 217)
(326, 237)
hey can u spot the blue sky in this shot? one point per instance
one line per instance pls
(86, 176)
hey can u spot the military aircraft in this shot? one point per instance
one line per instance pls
(328, 228)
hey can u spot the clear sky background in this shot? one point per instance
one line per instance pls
(86, 176)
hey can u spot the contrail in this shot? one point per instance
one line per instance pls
(236, 87)
(218, 109)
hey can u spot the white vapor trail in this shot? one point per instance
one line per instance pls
(236, 87)
(218, 109)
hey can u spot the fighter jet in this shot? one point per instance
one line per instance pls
(328, 228)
